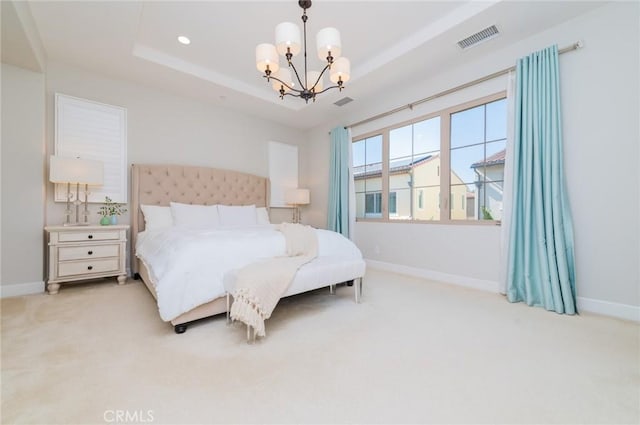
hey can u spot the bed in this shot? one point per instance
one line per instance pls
(339, 260)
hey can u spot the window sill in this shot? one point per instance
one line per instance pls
(448, 222)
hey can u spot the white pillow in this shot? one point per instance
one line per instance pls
(237, 215)
(262, 216)
(188, 215)
(156, 217)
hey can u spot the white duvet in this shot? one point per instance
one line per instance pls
(187, 266)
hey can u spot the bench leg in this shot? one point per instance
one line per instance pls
(332, 289)
(358, 289)
(228, 309)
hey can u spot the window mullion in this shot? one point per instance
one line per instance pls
(445, 166)
(385, 174)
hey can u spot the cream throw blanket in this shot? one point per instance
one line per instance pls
(259, 286)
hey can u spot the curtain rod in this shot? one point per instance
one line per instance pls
(574, 46)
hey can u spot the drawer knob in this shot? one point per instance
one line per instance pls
(90, 268)
(90, 252)
(90, 236)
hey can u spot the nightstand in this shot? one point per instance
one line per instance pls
(86, 252)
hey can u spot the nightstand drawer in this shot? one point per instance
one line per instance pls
(87, 252)
(88, 236)
(88, 267)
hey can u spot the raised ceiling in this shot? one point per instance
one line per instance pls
(137, 41)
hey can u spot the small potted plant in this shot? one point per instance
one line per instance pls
(110, 211)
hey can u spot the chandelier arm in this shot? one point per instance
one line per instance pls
(283, 83)
(295, 71)
(320, 77)
(328, 88)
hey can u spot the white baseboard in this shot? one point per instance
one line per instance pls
(17, 289)
(607, 308)
(468, 282)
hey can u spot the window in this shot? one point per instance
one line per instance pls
(373, 204)
(457, 152)
(367, 173)
(478, 142)
(392, 203)
(414, 159)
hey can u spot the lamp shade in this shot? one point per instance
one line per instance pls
(266, 55)
(287, 35)
(296, 196)
(312, 77)
(328, 40)
(283, 74)
(75, 170)
(340, 70)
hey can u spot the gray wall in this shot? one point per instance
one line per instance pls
(600, 99)
(22, 179)
(168, 129)
(162, 128)
(601, 108)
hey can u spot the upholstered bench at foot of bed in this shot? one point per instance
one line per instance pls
(319, 273)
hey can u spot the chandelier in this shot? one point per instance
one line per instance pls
(288, 45)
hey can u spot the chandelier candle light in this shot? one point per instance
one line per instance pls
(288, 45)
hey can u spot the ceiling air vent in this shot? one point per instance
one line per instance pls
(343, 101)
(479, 37)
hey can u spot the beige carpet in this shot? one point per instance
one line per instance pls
(414, 351)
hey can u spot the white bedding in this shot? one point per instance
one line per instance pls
(188, 266)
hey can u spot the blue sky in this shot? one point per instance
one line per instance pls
(468, 134)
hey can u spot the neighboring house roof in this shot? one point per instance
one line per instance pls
(399, 166)
(495, 159)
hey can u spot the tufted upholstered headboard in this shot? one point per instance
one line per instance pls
(161, 184)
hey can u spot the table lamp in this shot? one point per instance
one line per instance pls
(78, 171)
(296, 197)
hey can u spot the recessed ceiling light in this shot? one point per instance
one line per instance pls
(184, 39)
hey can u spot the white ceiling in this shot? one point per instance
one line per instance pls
(386, 41)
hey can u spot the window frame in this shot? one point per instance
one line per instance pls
(445, 163)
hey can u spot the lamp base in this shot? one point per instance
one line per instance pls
(77, 204)
(296, 215)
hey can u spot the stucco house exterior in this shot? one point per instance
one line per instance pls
(489, 186)
(414, 190)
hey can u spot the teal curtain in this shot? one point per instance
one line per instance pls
(338, 214)
(541, 268)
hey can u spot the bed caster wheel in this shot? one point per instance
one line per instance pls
(350, 283)
(180, 329)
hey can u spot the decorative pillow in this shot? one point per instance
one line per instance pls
(262, 216)
(237, 215)
(188, 215)
(156, 217)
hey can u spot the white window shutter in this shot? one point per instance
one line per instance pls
(91, 130)
(283, 171)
